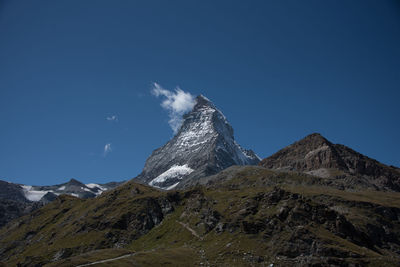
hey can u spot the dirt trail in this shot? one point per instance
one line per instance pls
(190, 230)
(107, 260)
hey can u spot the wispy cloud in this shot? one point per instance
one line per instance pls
(112, 118)
(107, 149)
(176, 102)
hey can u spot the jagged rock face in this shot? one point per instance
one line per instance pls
(17, 200)
(11, 191)
(203, 146)
(13, 203)
(311, 153)
(316, 155)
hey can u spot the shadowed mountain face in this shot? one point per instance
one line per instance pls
(13, 202)
(17, 200)
(11, 191)
(203, 146)
(316, 155)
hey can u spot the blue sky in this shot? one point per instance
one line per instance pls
(278, 70)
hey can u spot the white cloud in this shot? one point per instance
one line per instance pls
(177, 103)
(107, 149)
(112, 118)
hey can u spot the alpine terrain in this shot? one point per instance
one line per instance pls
(317, 156)
(17, 199)
(313, 203)
(204, 145)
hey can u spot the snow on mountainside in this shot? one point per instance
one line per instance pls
(33, 195)
(73, 188)
(175, 172)
(17, 200)
(204, 145)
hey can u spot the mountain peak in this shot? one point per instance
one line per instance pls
(204, 145)
(202, 98)
(315, 155)
(74, 182)
(312, 152)
(316, 136)
(313, 141)
(201, 102)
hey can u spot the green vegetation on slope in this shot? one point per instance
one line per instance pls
(247, 216)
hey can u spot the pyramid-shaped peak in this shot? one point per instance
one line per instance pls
(203, 145)
(202, 101)
(308, 143)
(310, 153)
(315, 155)
(315, 137)
(74, 182)
(202, 98)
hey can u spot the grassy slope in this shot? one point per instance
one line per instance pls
(188, 235)
(238, 249)
(70, 225)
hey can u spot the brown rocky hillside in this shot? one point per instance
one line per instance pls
(316, 155)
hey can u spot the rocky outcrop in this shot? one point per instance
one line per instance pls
(11, 191)
(311, 153)
(316, 155)
(12, 209)
(13, 203)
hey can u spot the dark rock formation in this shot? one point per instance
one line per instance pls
(13, 203)
(317, 156)
(204, 145)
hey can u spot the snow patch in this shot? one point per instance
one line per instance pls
(33, 195)
(26, 187)
(175, 172)
(92, 186)
(172, 186)
(100, 188)
(62, 188)
(199, 132)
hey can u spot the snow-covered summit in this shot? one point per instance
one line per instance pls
(204, 143)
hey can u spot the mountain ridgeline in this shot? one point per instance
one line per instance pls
(317, 156)
(313, 203)
(17, 199)
(204, 145)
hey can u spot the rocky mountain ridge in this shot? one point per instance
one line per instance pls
(204, 145)
(316, 155)
(252, 217)
(17, 199)
(312, 203)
